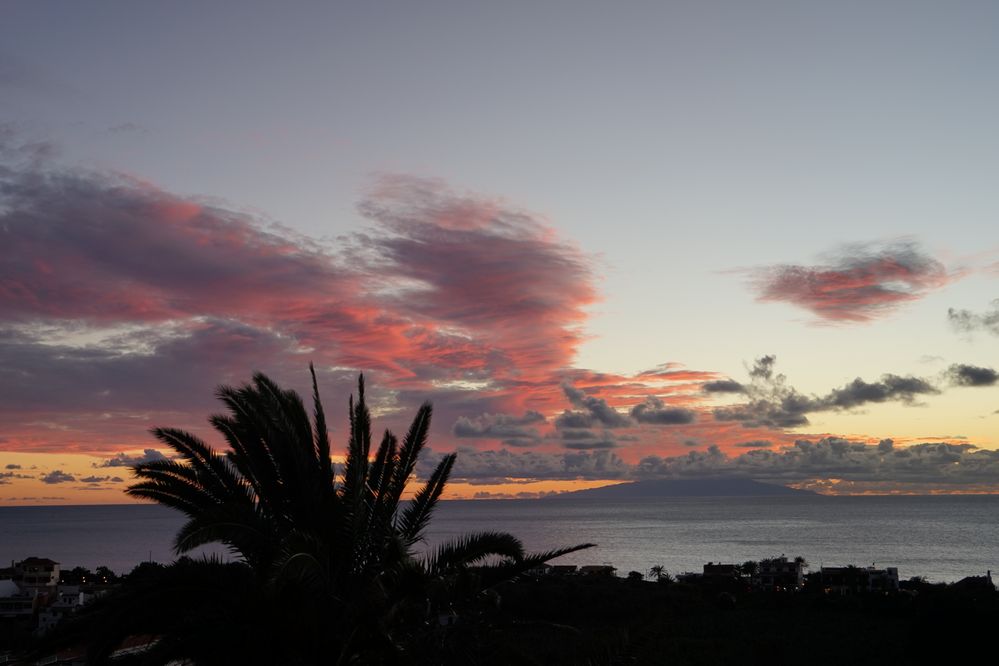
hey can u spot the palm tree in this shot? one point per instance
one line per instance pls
(331, 559)
(660, 574)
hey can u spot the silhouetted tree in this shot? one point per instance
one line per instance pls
(328, 567)
(660, 574)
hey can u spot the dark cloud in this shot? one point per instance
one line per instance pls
(596, 408)
(590, 444)
(57, 476)
(12, 466)
(584, 439)
(653, 411)
(175, 368)
(755, 444)
(102, 479)
(513, 430)
(922, 466)
(931, 464)
(968, 321)
(972, 375)
(775, 404)
(569, 419)
(125, 460)
(891, 387)
(5, 477)
(521, 442)
(859, 284)
(504, 464)
(723, 386)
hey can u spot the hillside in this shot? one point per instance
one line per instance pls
(688, 488)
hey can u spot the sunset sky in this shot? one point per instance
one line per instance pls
(609, 241)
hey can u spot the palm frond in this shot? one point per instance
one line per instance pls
(416, 516)
(471, 549)
(414, 442)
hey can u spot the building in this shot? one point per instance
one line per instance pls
(597, 570)
(36, 575)
(721, 573)
(778, 574)
(859, 580)
(13, 602)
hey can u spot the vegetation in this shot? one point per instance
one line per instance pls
(328, 565)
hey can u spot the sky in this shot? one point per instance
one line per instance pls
(609, 241)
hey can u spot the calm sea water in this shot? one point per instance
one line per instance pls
(942, 538)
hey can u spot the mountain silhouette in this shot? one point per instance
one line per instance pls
(688, 488)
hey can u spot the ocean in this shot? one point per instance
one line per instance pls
(943, 538)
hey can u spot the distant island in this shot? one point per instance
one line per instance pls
(687, 488)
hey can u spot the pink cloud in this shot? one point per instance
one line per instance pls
(455, 297)
(859, 286)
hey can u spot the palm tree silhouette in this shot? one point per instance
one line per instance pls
(328, 565)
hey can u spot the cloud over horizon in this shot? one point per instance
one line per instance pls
(122, 305)
(810, 463)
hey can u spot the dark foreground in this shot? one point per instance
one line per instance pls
(619, 621)
(596, 620)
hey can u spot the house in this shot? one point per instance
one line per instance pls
(778, 574)
(720, 573)
(563, 569)
(67, 600)
(597, 570)
(859, 580)
(13, 602)
(976, 584)
(36, 575)
(543, 569)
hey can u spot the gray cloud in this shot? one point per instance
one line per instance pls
(929, 463)
(596, 408)
(485, 466)
(775, 404)
(176, 368)
(102, 479)
(12, 466)
(585, 439)
(5, 477)
(592, 411)
(755, 444)
(891, 387)
(968, 321)
(511, 430)
(653, 411)
(569, 419)
(723, 386)
(972, 375)
(57, 476)
(124, 460)
(925, 465)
